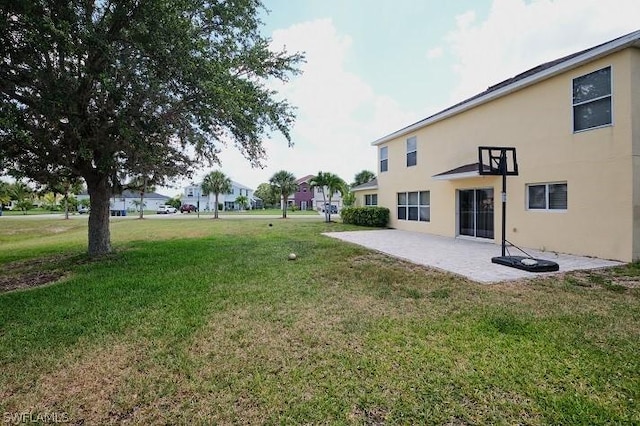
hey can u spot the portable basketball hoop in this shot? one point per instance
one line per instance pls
(501, 161)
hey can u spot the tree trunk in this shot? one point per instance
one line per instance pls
(284, 205)
(66, 206)
(215, 208)
(144, 189)
(328, 210)
(327, 216)
(99, 234)
(141, 215)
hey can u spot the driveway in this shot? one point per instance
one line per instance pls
(469, 258)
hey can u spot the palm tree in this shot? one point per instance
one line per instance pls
(50, 201)
(66, 186)
(363, 177)
(22, 194)
(242, 201)
(143, 185)
(284, 184)
(328, 183)
(319, 181)
(218, 183)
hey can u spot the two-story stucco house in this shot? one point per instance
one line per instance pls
(193, 195)
(308, 198)
(303, 197)
(575, 124)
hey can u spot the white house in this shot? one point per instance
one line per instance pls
(193, 195)
(129, 200)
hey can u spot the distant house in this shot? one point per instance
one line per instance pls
(128, 200)
(575, 123)
(307, 198)
(366, 193)
(303, 198)
(193, 195)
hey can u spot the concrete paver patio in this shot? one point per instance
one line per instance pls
(469, 258)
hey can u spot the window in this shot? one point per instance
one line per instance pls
(412, 151)
(547, 196)
(384, 159)
(189, 192)
(592, 100)
(414, 206)
(371, 200)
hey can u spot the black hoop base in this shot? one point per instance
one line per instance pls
(530, 264)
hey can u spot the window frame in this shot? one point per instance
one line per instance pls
(371, 199)
(575, 105)
(546, 197)
(384, 159)
(407, 206)
(414, 157)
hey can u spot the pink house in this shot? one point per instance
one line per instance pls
(308, 198)
(303, 199)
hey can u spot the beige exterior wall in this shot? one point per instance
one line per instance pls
(360, 194)
(597, 165)
(635, 125)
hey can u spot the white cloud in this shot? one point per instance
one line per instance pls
(338, 114)
(520, 34)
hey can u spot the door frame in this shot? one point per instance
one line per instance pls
(475, 223)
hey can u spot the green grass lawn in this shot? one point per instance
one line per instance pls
(208, 322)
(30, 212)
(261, 212)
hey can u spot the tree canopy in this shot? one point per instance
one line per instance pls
(266, 194)
(363, 177)
(98, 90)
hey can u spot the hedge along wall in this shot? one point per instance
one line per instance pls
(366, 216)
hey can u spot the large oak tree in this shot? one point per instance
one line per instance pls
(104, 88)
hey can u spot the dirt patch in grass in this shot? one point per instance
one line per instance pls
(83, 387)
(38, 272)
(368, 416)
(613, 279)
(28, 280)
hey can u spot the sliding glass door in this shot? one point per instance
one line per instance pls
(475, 214)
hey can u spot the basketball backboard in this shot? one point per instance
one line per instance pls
(492, 159)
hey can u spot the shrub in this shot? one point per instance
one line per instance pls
(366, 216)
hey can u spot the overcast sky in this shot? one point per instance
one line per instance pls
(375, 66)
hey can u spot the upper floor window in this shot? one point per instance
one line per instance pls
(384, 159)
(189, 192)
(412, 151)
(592, 100)
(547, 196)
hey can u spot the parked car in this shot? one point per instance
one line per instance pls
(83, 209)
(333, 209)
(166, 209)
(188, 208)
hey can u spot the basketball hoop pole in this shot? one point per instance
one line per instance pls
(503, 169)
(494, 161)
